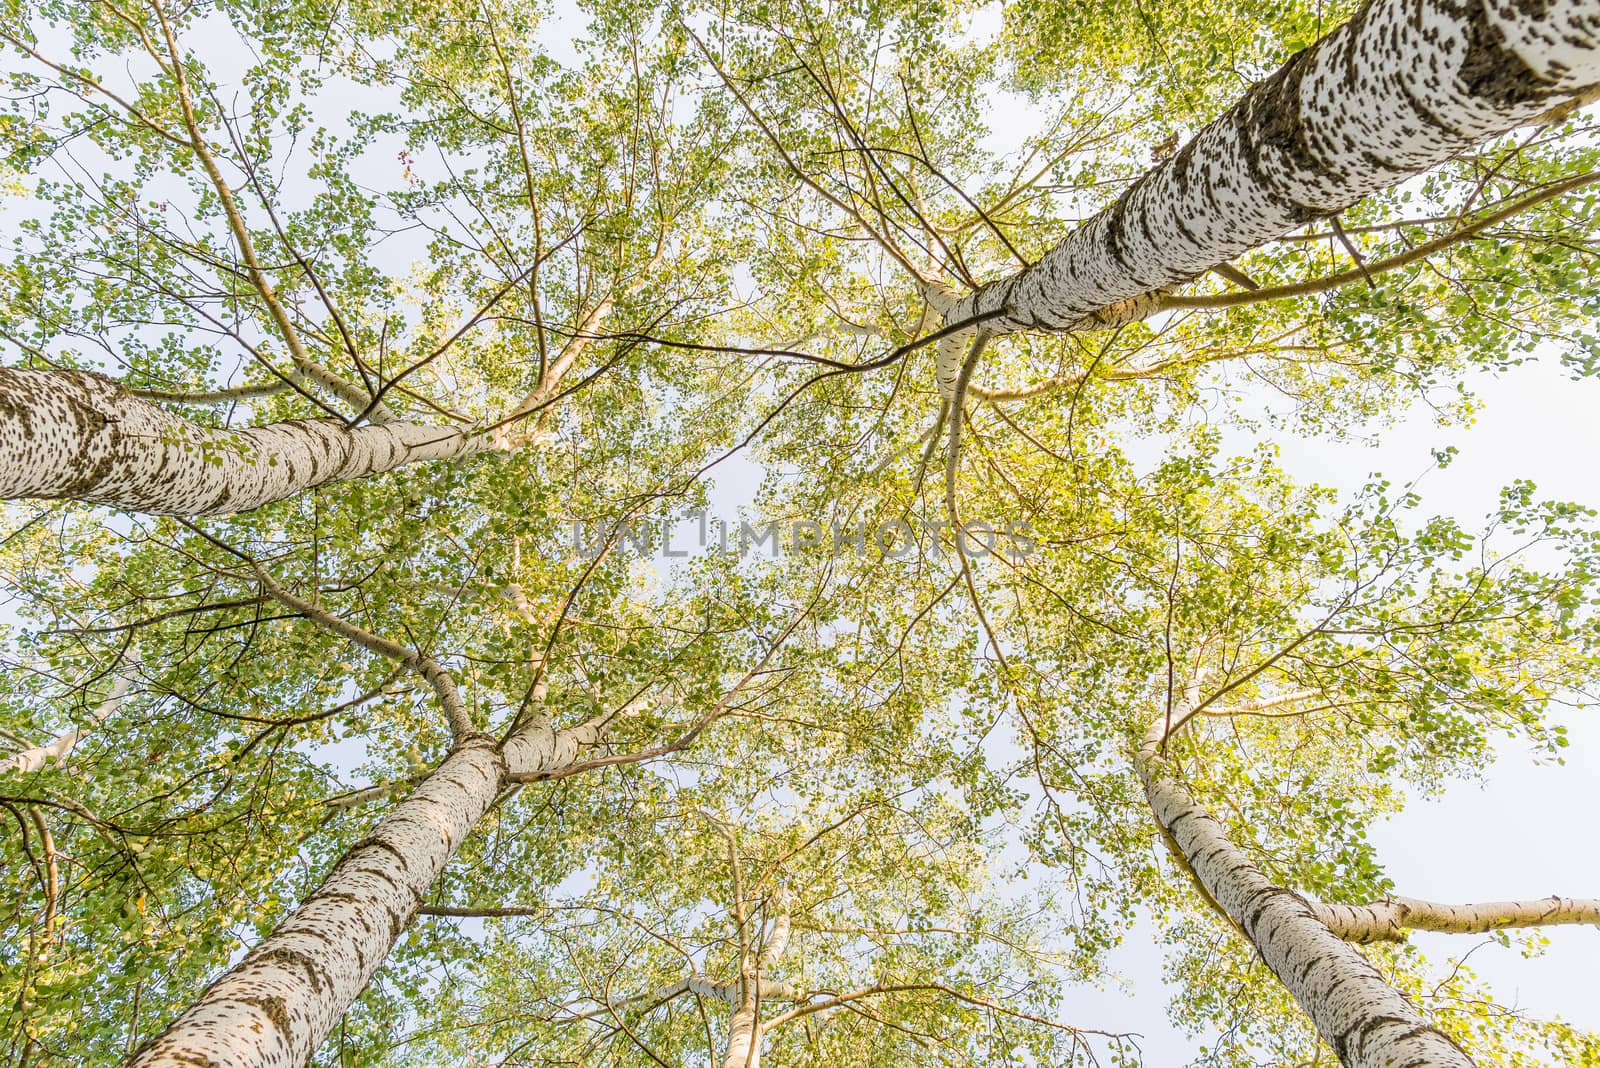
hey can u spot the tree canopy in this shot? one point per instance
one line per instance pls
(389, 678)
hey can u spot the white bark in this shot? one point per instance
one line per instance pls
(1388, 920)
(414, 660)
(744, 1027)
(281, 1002)
(215, 396)
(744, 1039)
(1403, 86)
(1367, 1022)
(35, 757)
(346, 390)
(729, 992)
(75, 434)
(777, 938)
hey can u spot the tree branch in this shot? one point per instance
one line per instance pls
(1390, 919)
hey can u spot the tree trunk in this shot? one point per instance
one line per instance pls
(1403, 86)
(744, 1038)
(744, 1027)
(78, 435)
(1368, 1023)
(280, 1003)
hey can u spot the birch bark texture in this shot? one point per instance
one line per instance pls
(281, 1002)
(1402, 87)
(79, 435)
(744, 1026)
(1367, 1022)
(1389, 920)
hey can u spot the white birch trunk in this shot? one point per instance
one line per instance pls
(744, 1039)
(1403, 86)
(744, 1027)
(281, 1002)
(78, 435)
(1388, 921)
(1368, 1023)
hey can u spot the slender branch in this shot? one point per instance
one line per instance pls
(52, 886)
(952, 469)
(683, 741)
(1260, 705)
(837, 1000)
(431, 670)
(216, 396)
(371, 407)
(881, 239)
(419, 663)
(1390, 919)
(35, 757)
(91, 83)
(1384, 266)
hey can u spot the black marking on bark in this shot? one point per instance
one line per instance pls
(273, 1007)
(177, 1056)
(1335, 985)
(1181, 165)
(1149, 235)
(1341, 1046)
(1269, 117)
(374, 842)
(1309, 966)
(1417, 1031)
(221, 501)
(315, 433)
(382, 875)
(1425, 113)
(1253, 906)
(89, 422)
(1188, 235)
(303, 930)
(293, 957)
(1361, 1033)
(1116, 223)
(1493, 72)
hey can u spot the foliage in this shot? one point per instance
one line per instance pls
(669, 227)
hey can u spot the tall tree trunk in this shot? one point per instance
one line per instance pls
(744, 1038)
(277, 1005)
(745, 1030)
(75, 434)
(1368, 1023)
(1403, 86)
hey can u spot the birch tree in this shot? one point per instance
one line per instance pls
(341, 745)
(297, 298)
(1268, 167)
